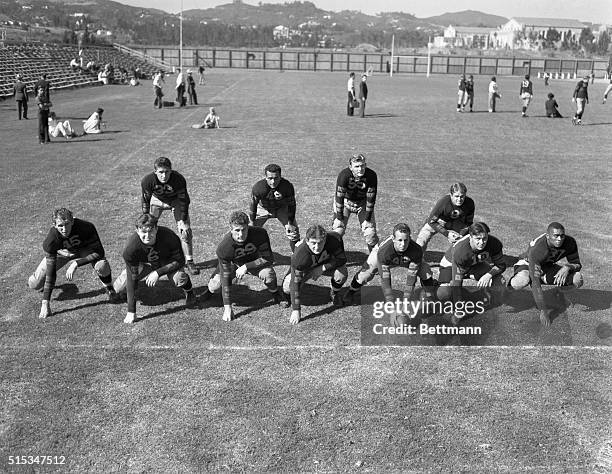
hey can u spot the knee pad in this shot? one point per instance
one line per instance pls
(577, 279)
(102, 268)
(340, 275)
(187, 235)
(287, 283)
(181, 279)
(36, 283)
(214, 284)
(268, 276)
(339, 229)
(369, 232)
(520, 280)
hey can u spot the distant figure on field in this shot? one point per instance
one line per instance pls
(20, 92)
(201, 74)
(493, 94)
(581, 97)
(526, 94)
(551, 107)
(58, 127)
(94, 123)
(469, 90)
(191, 88)
(211, 120)
(461, 93)
(350, 106)
(363, 93)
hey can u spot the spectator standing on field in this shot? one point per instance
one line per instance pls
(363, 93)
(43, 116)
(158, 80)
(350, 105)
(20, 92)
(191, 88)
(201, 74)
(180, 87)
(469, 90)
(493, 94)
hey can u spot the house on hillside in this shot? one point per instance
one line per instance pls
(516, 33)
(281, 32)
(464, 37)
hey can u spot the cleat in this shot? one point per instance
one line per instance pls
(347, 299)
(129, 319)
(603, 101)
(113, 296)
(190, 299)
(279, 299)
(336, 298)
(191, 268)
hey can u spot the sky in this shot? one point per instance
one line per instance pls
(595, 11)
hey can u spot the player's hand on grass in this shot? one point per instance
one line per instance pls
(129, 318)
(228, 313)
(290, 231)
(484, 281)
(152, 278)
(45, 310)
(545, 317)
(561, 276)
(453, 236)
(241, 271)
(296, 315)
(72, 266)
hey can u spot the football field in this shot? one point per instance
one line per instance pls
(182, 391)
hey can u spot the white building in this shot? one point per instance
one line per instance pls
(281, 32)
(514, 33)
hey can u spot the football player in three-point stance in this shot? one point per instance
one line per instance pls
(274, 197)
(320, 253)
(451, 217)
(151, 252)
(165, 189)
(244, 249)
(538, 265)
(478, 256)
(356, 189)
(398, 250)
(74, 242)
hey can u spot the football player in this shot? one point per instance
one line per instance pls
(274, 197)
(151, 252)
(321, 253)
(462, 96)
(538, 265)
(165, 189)
(398, 250)
(356, 194)
(477, 256)
(526, 94)
(451, 217)
(74, 242)
(244, 249)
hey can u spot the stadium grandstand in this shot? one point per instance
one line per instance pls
(32, 60)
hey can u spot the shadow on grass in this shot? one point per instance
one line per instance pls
(595, 124)
(355, 258)
(380, 115)
(69, 291)
(592, 300)
(80, 307)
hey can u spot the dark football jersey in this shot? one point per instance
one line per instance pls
(83, 241)
(455, 218)
(173, 192)
(469, 87)
(164, 256)
(273, 199)
(526, 86)
(464, 257)
(539, 252)
(388, 258)
(303, 260)
(230, 253)
(461, 84)
(356, 190)
(581, 91)
(82, 236)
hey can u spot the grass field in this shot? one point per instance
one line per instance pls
(182, 391)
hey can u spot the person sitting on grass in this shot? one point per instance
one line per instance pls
(210, 121)
(552, 110)
(94, 123)
(58, 127)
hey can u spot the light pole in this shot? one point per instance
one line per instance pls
(181, 39)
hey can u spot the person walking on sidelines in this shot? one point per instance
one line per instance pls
(20, 92)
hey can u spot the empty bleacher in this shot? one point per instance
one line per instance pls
(31, 61)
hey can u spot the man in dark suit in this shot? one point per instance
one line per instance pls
(363, 94)
(20, 91)
(45, 85)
